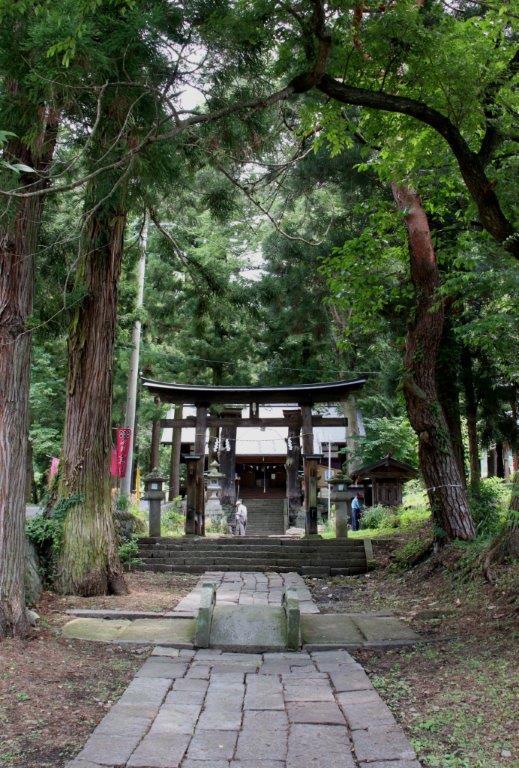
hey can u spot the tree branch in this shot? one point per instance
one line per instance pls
(469, 163)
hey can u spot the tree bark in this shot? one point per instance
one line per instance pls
(89, 564)
(471, 413)
(18, 242)
(448, 390)
(445, 489)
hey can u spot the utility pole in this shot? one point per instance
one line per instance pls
(133, 373)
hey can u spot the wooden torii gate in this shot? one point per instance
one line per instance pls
(297, 416)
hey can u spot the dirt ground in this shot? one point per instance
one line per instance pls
(53, 692)
(456, 696)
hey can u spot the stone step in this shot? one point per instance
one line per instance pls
(305, 570)
(357, 553)
(245, 552)
(246, 542)
(235, 563)
(223, 541)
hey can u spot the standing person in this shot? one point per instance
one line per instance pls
(241, 518)
(356, 511)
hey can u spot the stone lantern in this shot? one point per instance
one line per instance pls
(340, 495)
(213, 507)
(154, 494)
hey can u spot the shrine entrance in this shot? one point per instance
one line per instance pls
(283, 415)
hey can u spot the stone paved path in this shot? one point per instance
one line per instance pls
(209, 709)
(244, 588)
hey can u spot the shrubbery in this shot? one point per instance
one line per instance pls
(380, 517)
(373, 517)
(488, 505)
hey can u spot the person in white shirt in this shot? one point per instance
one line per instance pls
(241, 518)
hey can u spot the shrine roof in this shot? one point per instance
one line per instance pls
(385, 465)
(297, 394)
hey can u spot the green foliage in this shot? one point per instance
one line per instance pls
(412, 552)
(389, 434)
(129, 552)
(374, 517)
(173, 521)
(46, 533)
(411, 515)
(488, 505)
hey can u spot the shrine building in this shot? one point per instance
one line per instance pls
(273, 445)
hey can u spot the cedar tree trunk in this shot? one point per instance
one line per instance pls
(446, 491)
(89, 564)
(18, 242)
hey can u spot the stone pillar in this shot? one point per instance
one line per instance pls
(200, 434)
(292, 465)
(339, 497)
(174, 464)
(155, 445)
(155, 496)
(311, 463)
(192, 461)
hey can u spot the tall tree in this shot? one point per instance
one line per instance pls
(124, 112)
(30, 116)
(445, 487)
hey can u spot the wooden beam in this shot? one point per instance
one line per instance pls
(222, 421)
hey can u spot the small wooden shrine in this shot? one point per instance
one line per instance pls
(384, 480)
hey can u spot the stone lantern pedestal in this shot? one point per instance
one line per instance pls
(340, 495)
(155, 496)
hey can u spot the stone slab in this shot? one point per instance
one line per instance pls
(350, 680)
(257, 627)
(263, 736)
(322, 712)
(159, 666)
(174, 632)
(329, 629)
(256, 764)
(109, 750)
(212, 745)
(176, 718)
(159, 631)
(78, 763)
(376, 628)
(98, 630)
(205, 614)
(382, 744)
(392, 764)
(160, 751)
(319, 746)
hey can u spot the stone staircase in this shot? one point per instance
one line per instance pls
(311, 557)
(265, 517)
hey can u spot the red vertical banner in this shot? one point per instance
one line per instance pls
(120, 452)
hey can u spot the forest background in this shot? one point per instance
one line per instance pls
(329, 192)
